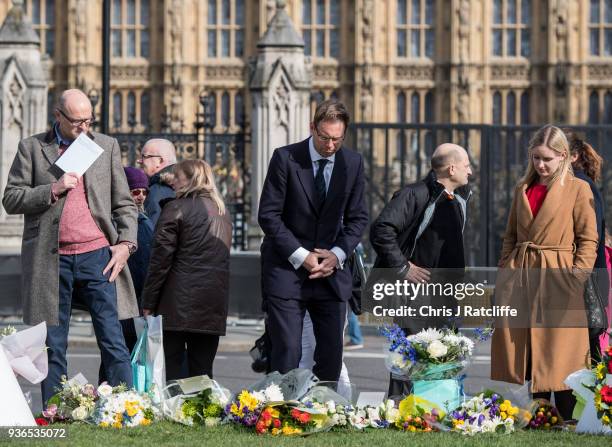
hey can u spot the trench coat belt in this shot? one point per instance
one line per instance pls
(528, 245)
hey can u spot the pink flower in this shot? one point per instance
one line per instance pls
(50, 412)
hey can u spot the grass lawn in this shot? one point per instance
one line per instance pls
(172, 434)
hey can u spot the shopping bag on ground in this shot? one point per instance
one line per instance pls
(139, 363)
(155, 367)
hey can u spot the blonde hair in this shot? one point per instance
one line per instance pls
(201, 181)
(553, 138)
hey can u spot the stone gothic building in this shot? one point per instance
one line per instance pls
(459, 61)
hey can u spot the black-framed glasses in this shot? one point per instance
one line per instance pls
(325, 139)
(76, 123)
(146, 157)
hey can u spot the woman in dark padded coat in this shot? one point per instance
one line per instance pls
(188, 277)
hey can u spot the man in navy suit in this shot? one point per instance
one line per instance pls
(313, 214)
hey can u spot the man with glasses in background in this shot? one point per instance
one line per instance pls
(78, 235)
(157, 160)
(313, 214)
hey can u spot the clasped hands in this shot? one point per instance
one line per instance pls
(320, 263)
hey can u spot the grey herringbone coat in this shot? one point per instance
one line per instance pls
(28, 192)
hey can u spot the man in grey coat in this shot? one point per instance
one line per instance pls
(78, 235)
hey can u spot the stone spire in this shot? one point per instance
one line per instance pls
(280, 32)
(17, 28)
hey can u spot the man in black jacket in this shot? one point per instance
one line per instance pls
(157, 159)
(421, 228)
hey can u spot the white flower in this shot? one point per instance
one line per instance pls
(79, 413)
(105, 390)
(273, 393)
(373, 414)
(437, 349)
(211, 422)
(426, 336)
(259, 395)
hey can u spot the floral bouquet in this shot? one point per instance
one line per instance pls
(544, 416)
(246, 408)
(291, 418)
(488, 412)
(197, 400)
(602, 388)
(432, 359)
(418, 415)
(76, 400)
(123, 409)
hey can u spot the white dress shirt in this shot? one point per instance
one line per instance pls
(298, 257)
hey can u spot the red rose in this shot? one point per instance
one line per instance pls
(41, 421)
(304, 418)
(606, 394)
(295, 413)
(277, 423)
(266, 415)
(260, 427)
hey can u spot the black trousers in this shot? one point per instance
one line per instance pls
(285, 321)
(201, 350)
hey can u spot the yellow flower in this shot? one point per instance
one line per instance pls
(504, 406)
(411, 428)
(503, 415)
(605, 419)
(274, 413)
(145, 421)
(512, 411)
(116, 424)
(234, 410)
(457, 422)
(246, 399)
(275, 431)
(599, 371)
(104, 424)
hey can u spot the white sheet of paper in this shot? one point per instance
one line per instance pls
(372, 398)
(80, 155)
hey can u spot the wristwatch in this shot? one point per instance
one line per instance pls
(131, 247)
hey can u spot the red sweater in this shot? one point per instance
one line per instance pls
(78, 232)
(536, 194)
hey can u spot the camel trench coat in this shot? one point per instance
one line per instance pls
(562, 236)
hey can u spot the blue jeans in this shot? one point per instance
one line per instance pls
(354, 330)
(80, 277)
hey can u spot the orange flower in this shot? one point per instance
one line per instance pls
(304, 418)
(295, 413)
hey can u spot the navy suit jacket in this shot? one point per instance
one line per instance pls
(290, 218)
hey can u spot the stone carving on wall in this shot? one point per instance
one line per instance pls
(561, 92)
(510, 72)
(79, 23)
(367, 83)
(281, 101)
(270, 9)
(412, 72)
(15, 103)
(462, 104)
(463, 30)
(176, 37)
(561, 18)
(325, 73)
(138, 72)
(600, 72)
(229, 72)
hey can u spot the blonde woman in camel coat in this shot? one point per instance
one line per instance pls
(563, 237)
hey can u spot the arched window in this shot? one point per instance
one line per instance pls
(415, 108)
(131, 109)
(429, 108)
(239, 110)
(117, 110)
(225, 110)
(607, 118)
(401, 107)
(511, 108)
(497, 108)
(594, 108)
(525, 108)
(145, 109)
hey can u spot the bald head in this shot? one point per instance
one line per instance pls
(157, 154)
(447, 154)
(73, 113)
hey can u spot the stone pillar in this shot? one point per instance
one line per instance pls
(23, 102)
(280, 85)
